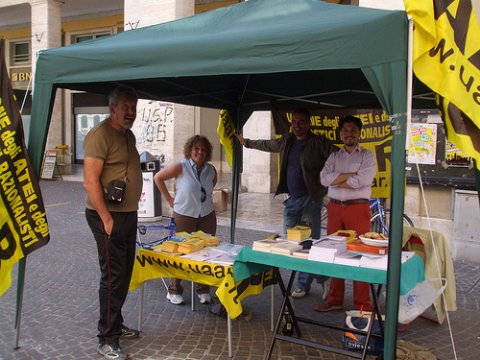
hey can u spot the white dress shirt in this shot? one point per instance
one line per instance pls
(360, 161)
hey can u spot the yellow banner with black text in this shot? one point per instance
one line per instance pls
(23, 222)
(226, 130)
(376, 136)
(446, 58)
(152, 265)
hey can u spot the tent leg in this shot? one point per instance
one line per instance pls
(20, 285)
(229, 335)
(140, 308)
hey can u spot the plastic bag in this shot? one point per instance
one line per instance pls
(417, 300)
(360, 320)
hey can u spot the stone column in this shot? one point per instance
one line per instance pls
(161, 129)
(260, 169)
(46, 33)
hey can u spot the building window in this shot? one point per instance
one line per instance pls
(85, 37)
(20, 53)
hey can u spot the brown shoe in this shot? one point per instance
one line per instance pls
(324, 307)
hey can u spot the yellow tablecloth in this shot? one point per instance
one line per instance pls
(152, 265)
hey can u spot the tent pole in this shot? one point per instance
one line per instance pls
(237, 162)
(235, 186)
(477, 178)
(22, 263)
(396, 218)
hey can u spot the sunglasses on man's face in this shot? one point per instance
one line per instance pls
(204, 195)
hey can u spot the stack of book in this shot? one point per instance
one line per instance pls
(327, 248)
(302, 253)
(360, 247)
(285, 248)
(266, 244)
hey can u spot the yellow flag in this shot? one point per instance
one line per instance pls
(225, 132)
(23, 221)
(9, 248)
(446, 58)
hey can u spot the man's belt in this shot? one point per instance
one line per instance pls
(350, 202)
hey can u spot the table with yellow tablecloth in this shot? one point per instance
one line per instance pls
(152, 265)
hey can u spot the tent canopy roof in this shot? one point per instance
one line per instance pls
(241, 58)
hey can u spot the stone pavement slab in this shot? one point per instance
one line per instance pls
(60, 306)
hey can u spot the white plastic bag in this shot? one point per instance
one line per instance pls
(417, 300)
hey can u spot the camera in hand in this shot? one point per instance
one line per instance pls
(116, 190)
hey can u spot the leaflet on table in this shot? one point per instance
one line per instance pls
(348, 258)
(222, 254)
(231, 249)
(381, 262)
(204, 254)
(225, 259)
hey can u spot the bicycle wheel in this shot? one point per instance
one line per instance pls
(380, 222)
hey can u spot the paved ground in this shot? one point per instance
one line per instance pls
(60, 303)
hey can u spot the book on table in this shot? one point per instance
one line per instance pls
(360, 247)
(348, 258)
(301, 253)
(327, 248)
(285, 248)
(380, 262)
(266, 244)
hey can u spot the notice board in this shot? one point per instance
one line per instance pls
(439, 161)
(49, 162)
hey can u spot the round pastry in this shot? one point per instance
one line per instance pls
(372, 235)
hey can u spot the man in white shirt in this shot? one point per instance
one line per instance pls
(348, 173)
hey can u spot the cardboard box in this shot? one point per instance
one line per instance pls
(221, 198)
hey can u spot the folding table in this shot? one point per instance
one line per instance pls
(152, 265)
(250, 262)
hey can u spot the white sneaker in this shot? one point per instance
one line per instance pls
(204, 298)
(299, 293)
(110, 352)
(175, 299)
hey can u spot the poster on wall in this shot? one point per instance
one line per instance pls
(423, 144)
(454, 157)
(154, 121)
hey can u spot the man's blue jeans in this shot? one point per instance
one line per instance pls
(298, 208)
(303, 207)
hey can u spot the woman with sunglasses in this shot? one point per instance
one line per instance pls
(192, 204)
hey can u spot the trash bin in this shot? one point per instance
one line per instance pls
(150, 204)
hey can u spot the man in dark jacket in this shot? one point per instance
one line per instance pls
(302, 157)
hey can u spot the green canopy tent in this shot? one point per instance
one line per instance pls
(241, 58)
